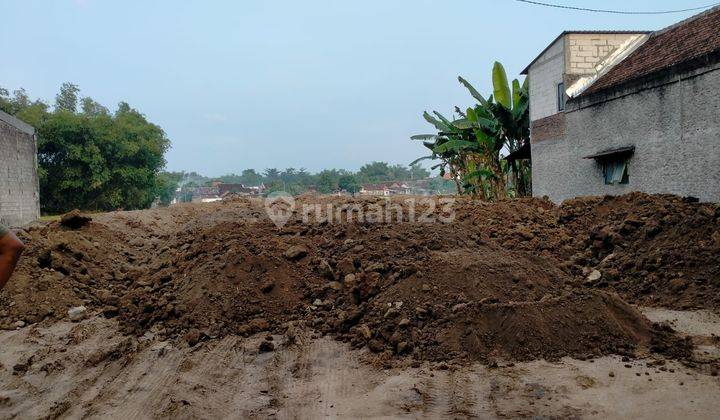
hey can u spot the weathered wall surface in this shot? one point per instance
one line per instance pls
(19, 196)
(674, 124)
(545, 74)
(573, 55)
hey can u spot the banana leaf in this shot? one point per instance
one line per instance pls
(501, 89)
(454, 146)
(438, 124)
(424, 137)
(444, 120)
(478, 174)
(421, 159)
(475, 94)
(463, 123)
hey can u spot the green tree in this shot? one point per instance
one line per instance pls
(271, 174)
(327, 181)
(92, 108)
(418, 172)
(92, 160)
(349, 183)
(167, 185)
(250, 178)
(375, 172)
(72, 167)
(67, 99)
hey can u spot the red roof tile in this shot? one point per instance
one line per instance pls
(693, 38)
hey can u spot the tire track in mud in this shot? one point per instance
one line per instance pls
(461, 398)
(300, 368)
(87, 368)
(175, 382)
(136, 387)
(212, 383)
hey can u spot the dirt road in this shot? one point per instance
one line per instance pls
(85, 370)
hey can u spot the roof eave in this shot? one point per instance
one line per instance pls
(18, 124)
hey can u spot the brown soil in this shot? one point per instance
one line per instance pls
(504, 280)
(653, 250)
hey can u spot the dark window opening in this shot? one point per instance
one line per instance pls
(615, 171)
(561, 96)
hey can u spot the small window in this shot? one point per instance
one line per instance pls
(615, 171)
(561, 96)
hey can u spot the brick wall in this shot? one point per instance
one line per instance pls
(19, 196)
(548, 128)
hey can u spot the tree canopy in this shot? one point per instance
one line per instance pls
(90, 158)
(296, 181)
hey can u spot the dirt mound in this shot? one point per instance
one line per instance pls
(60, 269)
(74, 219)
(429, 291)
(501, 280)
(654, 250)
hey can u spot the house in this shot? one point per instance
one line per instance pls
(614, 112)
(374, 189)
(238, 189)
(385, 188)
(205, 195)
(19, 186)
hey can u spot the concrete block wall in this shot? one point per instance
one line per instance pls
(19, 195)
(570, 57)
(585, 51)
(673, 124)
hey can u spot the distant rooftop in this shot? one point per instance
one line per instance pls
(691, 39)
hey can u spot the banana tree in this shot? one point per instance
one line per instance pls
(470, 145)
(503, 117)
(448, 146)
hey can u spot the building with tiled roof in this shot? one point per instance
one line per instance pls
(614, 112)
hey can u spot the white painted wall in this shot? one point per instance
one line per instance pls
(544, 76)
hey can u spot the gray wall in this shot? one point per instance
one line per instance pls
(19, 196)
(673, 122)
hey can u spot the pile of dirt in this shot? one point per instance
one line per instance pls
(63, 268)
(433, 292)
(502, 280)
(654, 250)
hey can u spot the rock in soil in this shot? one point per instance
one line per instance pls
(77, 313)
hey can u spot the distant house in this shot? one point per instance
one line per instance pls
(206, 195)
(385, 188)
(374, 189)
(613, 112)
(239, 189)
(19, 186)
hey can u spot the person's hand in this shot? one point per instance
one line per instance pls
(10, 250)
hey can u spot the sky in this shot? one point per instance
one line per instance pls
(275, 84)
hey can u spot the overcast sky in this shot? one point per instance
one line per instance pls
(314, 84)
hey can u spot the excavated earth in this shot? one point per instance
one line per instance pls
(515, 280)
